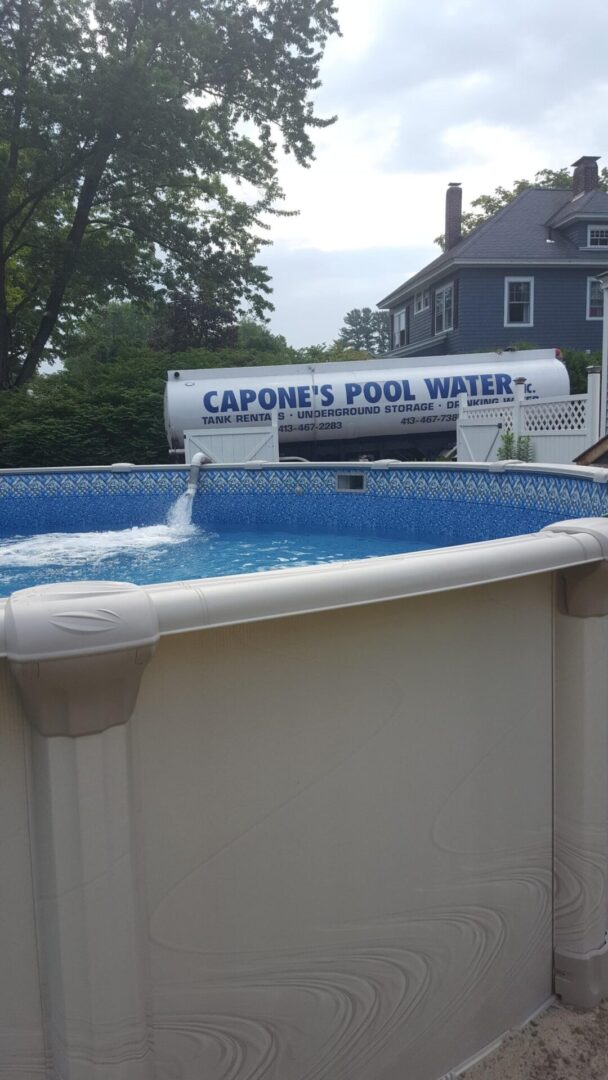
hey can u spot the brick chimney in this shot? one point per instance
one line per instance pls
(586, 176)
(453, 215)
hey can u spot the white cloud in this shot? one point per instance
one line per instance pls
(465, 90)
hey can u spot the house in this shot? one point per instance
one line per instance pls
(527, 274)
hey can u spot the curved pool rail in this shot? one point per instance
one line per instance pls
(206, 603)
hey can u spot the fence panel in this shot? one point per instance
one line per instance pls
(558, 416)
(559, 428)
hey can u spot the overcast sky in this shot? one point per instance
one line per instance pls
(477, 91)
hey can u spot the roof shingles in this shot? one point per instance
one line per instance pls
(519, 232)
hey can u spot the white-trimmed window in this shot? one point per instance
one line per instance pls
(595, 299)
(422, 301)
(444, 308)
(519, 301)
(399, 328)
(597, 236)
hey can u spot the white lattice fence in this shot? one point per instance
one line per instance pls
(559, 428)
(491, 414)
(561, 415)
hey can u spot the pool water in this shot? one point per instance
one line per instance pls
(178, 550)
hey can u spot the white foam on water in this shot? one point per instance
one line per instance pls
(59, 549)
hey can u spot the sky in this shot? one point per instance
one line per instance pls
(477, 91)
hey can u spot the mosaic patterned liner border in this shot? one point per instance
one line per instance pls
(58, 485)
(565, 495)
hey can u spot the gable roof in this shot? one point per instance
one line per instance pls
(517, 233)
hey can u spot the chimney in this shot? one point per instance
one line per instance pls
(586, 176)
(453, 215)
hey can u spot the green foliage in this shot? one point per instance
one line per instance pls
(506, 449)
(253, 345)
(325, 354)
(99, 334)
(126, 129)
(512, 449)
(256, 338)
(185, 321)
(524, 451)
(106, 404)
(484, 206)
(577, 362)
(366, 329)
(89, 414)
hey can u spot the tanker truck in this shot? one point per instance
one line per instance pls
(403, 409)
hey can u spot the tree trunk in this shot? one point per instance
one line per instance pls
(5, 326)
(6, 186)
(69, 259)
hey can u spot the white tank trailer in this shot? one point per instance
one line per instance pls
(396, 408)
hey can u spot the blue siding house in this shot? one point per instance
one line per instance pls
(528, 274)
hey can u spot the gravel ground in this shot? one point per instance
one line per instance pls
(561, 1044)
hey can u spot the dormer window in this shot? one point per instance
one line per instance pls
(597, 237)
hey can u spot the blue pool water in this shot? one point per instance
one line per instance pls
(81, 524)
(177, 550)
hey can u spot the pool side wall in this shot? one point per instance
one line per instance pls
(322, 847)
(346, 844)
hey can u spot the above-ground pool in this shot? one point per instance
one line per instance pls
(140, 526)
(312, 786)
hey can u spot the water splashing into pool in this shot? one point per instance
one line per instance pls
(63, 550)
(180, 514)
(177, 549)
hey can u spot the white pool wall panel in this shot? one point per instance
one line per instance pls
(322, 846)
(376, 903)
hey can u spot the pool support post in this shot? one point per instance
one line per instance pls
(77, 653)
(581, 781)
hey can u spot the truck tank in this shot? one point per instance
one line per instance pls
(387, 407)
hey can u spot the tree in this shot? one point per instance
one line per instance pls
(100, 333)
(256, 338)
(366, 329)
(186, 321)
(89, 412)
(106, 403)
(487, 205)
(325, 354)
(126, 127)
(577, 361)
